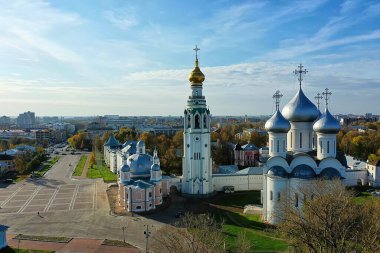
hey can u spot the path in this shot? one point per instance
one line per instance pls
(75, 245)
(86, 165)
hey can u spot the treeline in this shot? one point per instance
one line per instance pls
(361, 145)
(28, 161)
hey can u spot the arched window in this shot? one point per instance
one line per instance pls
(296, 199)
(204, 121)
(300, 140)
(271, 146)
(283, 146)
(197, 121)
(278, 146)
(271, 195)
(188, 121)
(320, 144)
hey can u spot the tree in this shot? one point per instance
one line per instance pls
(192, 234)
(329, 220)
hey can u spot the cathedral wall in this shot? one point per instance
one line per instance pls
(240, 183)
(299, 137)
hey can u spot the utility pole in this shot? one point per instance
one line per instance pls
(147, 235)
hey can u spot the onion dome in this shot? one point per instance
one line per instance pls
(155, 167)
(140, 164)
(277, 171)
(125, 168)
(277, 123)
(196, 76)
(329, 173)
(303, 171)
(300, 109)
(326, 124)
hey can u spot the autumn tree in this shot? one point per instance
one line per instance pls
(330, 220)
(80, 141)
(192, 234)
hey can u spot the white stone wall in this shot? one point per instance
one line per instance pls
(373, 175)
(240, 182)
(353, 177)
(277, 144)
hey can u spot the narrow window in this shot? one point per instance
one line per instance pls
(278, 146)
(296, 200)
(271, 195)
(283, 147)
(328, 147)
(313, 143)
(271, 145)
(197, 123)
(309, 140)
(188, 121)
(204, 121)
(320, 144)
(334, 146)
(300, 140)
(150, 194)
(278, 196)
(291, 139)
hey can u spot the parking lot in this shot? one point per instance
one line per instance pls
(29, 198)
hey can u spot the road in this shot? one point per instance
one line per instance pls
(67, 207)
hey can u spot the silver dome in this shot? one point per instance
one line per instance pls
(327, 124)
(140, 164)
(300, 109)
(277, 123)
(303, 171)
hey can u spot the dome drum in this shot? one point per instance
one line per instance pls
(326, 124)
(277, 171)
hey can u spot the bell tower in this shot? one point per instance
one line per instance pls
(197, 162)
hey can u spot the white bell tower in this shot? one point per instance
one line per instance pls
(197, 162)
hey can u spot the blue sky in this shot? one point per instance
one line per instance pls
(101, 57)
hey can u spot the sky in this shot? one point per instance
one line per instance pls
(98, 57)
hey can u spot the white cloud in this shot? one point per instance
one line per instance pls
(123, 19)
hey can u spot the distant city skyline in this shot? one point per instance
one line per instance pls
(88, 58)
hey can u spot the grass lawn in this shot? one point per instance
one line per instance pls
(46, 166)
(260, 241)
(100, 170)
(363, 197)
(80, 166)
(230, 209)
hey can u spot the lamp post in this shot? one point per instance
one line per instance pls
(124, 228)
(147, 234)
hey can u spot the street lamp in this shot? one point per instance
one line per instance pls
(147, 234)
(124, 228)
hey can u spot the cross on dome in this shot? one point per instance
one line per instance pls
(326, 93)
(299, 72)
(277, 95)
(318, 98)
(196, 49)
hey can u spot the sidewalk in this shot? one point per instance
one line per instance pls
(86, 165)
(81, 245)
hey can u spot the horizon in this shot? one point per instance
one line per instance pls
(101, 58)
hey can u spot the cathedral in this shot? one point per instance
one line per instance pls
(302, 147)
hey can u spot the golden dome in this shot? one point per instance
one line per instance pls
(196, 76)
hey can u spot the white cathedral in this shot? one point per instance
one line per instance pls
(302, 147)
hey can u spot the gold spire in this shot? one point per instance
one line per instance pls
(196, 76)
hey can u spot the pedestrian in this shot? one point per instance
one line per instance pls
(38, 213)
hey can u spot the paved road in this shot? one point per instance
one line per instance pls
(68, 207)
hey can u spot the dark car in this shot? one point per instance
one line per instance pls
(178, 214)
